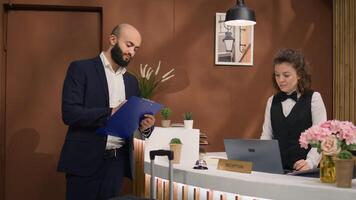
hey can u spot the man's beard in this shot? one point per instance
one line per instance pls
(117, 56)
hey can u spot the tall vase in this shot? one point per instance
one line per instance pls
(344, 171)
(327, 169)
(188, 124)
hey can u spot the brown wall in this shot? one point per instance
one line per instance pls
(230, 101)
(226, 101)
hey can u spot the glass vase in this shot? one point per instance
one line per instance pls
(327, 169)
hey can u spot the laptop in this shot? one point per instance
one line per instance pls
(264, 154)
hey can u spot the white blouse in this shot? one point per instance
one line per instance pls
(318, 112)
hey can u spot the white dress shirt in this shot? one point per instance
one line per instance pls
(117, 95)
(318, 112)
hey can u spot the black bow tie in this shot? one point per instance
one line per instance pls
(285, 96)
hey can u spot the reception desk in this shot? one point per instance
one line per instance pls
(217, 184)
(257, 184)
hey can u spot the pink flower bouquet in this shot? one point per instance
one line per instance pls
(332, 138)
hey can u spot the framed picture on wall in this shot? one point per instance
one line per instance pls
(233, 44)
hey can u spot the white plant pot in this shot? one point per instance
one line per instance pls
(166, 123)
(188, 124)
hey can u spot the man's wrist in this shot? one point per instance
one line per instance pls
(145, 130)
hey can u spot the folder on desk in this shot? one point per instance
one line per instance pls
(126, 120)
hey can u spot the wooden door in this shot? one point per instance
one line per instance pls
(40, 43)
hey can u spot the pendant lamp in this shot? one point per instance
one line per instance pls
(240, 15)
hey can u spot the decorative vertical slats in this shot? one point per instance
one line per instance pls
(185, 192)
(147, 186)
(166, 190)
(222, 196)
(188, 192)
(139, 180)
(352, 62)
(344, 66)
(175, 191)
(160, 189)
(196, 193)
(210, 195)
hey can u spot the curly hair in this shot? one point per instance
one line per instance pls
(296, 59)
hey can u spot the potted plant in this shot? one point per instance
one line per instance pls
(188, 120)
(149, 79)
(166, 113)
(335, 140)
(175, 145)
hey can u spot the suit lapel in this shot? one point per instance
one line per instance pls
(131, 88)
(101, 73)
(127, 86)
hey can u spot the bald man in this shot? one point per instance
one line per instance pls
(93, 90)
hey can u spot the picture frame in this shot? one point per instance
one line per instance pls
(233, 44)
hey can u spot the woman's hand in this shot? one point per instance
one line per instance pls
(301, 165)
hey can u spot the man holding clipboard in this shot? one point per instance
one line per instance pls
(93, 91)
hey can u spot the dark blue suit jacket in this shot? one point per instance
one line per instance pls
(85, 107)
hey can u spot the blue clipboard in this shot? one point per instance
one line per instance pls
(126, 120)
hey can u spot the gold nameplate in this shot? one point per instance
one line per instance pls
(235, 166)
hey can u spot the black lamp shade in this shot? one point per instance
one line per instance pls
(240, 15)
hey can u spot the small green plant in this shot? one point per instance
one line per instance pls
(175, 141)
(188, 116)
(166, 113)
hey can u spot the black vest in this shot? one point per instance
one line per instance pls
(287, 130)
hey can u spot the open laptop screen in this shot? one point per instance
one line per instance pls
(264, 154)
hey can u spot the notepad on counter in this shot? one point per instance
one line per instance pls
(126, 120)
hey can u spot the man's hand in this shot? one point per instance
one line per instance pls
(117, 107)
(301, 165)
(147, 122)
